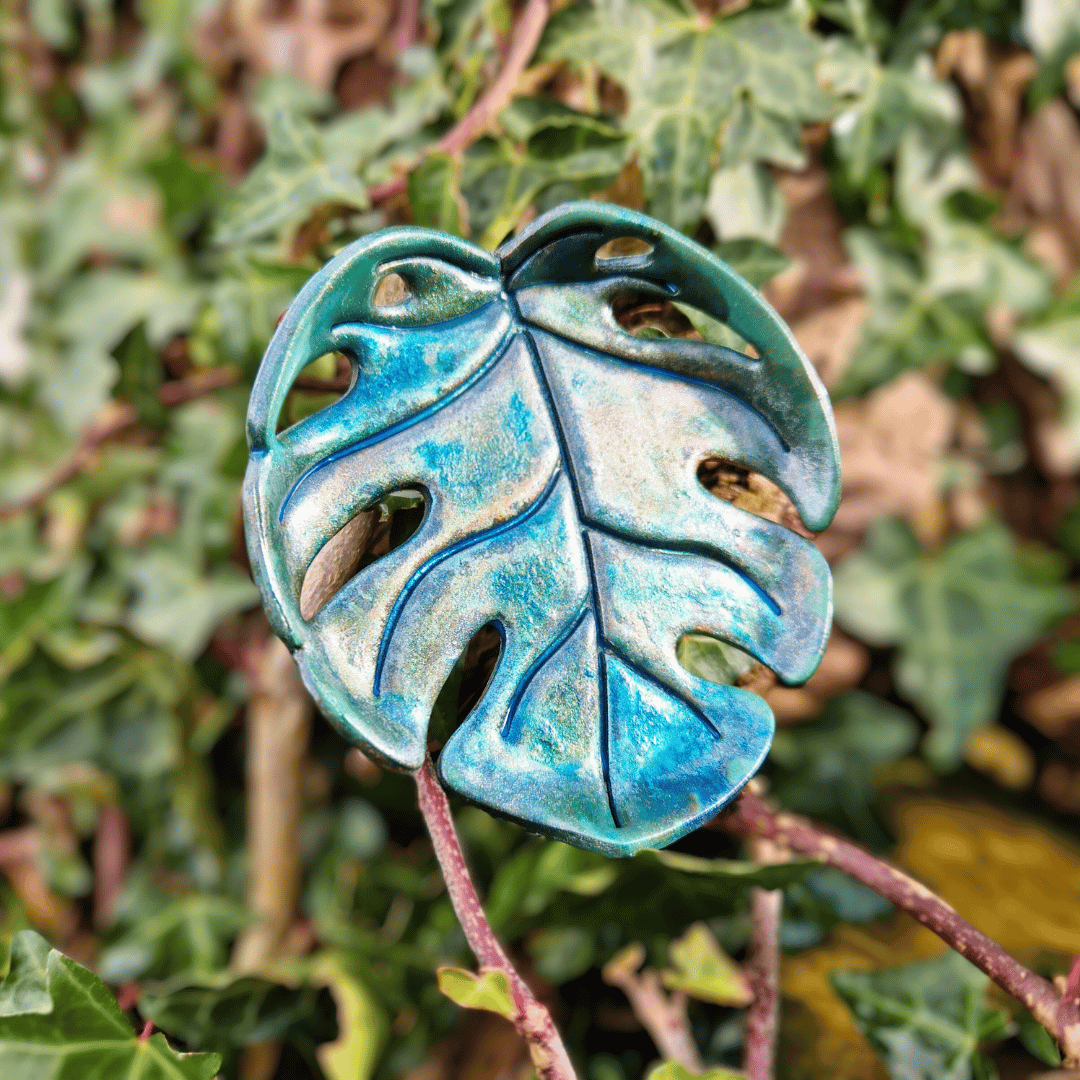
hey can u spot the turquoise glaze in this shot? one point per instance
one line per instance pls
(557, 454)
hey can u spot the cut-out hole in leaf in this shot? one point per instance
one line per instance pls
(391, 291)
(748, 490)
(716, 332)
(480, 659)
(368, 536)
(338, 560)
(623, 247)
(322, 382)
(644, 315)
(467, 682)
(710, 658)
(330, 373)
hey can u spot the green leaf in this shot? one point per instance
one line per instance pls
(530, 881)
(163, 935)
(361, 1022)
(306, 166)
(501, 179)
(672, 1070)
(221, 1011)
(177, 607)
(712, 659)
(945, 612)
(826, 769)
(685, 77)
(26, 987)
(435, 195)
(1036, 1040)
(925, 1020)
(59, 1022)
(489, 990)
(757, 261)
(729, 872)
(888, 100)
(929, 304)
(1050, 346)
(561, 953)
(700, 968)
(296, 175)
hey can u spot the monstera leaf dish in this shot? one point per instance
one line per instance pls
(557, 453)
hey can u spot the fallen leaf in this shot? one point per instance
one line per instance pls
(1001, 755)
(892, 445)
(1053, 709)
(829, 336)
(1014, 879)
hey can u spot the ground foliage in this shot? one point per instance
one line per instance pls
(901, 178)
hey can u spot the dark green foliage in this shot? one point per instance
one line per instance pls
(162, 199)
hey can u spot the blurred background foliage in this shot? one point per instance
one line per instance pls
(901, 178)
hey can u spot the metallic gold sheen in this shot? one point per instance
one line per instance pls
(557, 454)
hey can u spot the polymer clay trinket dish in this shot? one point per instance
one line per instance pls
(557, 454)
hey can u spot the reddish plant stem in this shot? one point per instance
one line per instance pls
(115, 419)
(662, 1015)
(752, 817)
(523, 42)
(112, 854)
(763, 971)
(406, 30)
(533, 1021)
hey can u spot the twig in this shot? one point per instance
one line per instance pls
(179, 391)
(752, 817)
(279, 723)
(117, 417)
(533, 1021)
(523, 42)
(763, 970)
(662, 1015)
(406, 30)
(112, 854)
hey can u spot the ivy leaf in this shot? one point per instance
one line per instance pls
(703, 970)
(178, 607)
(889, 99)
(305, 165)
(501, 386)
(296, 174)
(944, 611)
(488, 990)
(1050, 346)
(221, 1011)
(926, 1020)
(961, 256)
(928, 301)
(672, 1070)
(685, 77)
(165, 935)
(501, 178)
(59, 1020)
(826, 769)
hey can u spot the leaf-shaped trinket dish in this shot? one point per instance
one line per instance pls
(557, 454)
